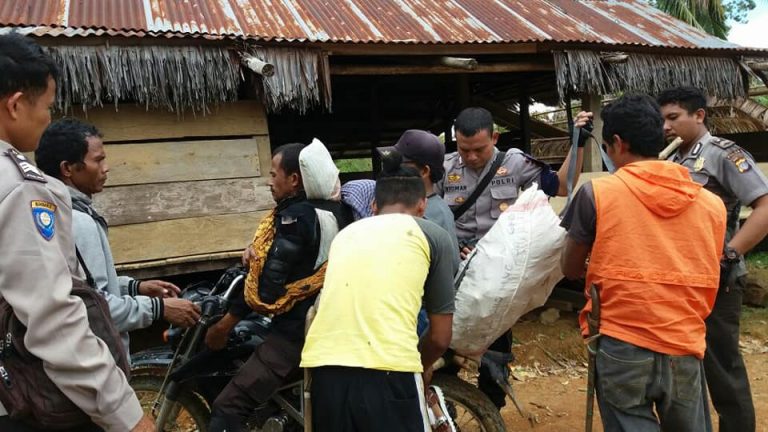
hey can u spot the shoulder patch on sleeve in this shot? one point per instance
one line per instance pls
(44, 216)
(722, 142)
(27, 170)
(739, 158)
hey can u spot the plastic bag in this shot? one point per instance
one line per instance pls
(511, 271)
(318, 172)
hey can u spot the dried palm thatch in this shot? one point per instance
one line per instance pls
(302, 79)
(585, 72)
(175, 78)
(738, 116)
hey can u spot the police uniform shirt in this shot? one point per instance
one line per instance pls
(729, 172)
(517, 171)
(37, 265)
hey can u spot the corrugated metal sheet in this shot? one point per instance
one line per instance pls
(623, 22)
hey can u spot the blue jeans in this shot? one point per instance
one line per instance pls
(632, 381)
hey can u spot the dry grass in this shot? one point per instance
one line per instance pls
(583, 71)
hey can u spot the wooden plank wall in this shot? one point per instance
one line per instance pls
(182, 188)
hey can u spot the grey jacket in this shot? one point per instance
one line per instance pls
(129, 310)
(37, 266)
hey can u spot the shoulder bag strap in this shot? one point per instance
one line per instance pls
(88, 276)
(480, 186)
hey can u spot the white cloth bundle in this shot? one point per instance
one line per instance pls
(512, 270)
(318, 172)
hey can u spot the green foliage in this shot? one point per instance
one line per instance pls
(758, 260)
(708, 15)
(354, 165)
(762, 100)
(737, 10)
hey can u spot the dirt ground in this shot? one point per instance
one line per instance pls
(549, 375)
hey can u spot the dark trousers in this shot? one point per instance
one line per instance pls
(485, 381)
(348, 399)
(8, 425)
(724, 366)
(274, 363)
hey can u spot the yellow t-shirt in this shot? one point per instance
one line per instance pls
(379, 269)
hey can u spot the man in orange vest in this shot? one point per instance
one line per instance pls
(654, 239)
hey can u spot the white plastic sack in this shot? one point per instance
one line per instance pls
(512, 270)
(318, 172)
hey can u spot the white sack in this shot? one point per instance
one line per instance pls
(318, 172)
(512, 270)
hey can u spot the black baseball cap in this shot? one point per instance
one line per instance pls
(421, 147)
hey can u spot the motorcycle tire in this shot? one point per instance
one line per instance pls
(464, 398)
(195, 414)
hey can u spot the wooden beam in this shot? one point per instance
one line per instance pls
(502, 112)
(381, 49)
(403, 69)
(525, 120)
(123, 205)
(464, 63)
(258, 65)
(133, 123)
(183, 161)
(592, 159)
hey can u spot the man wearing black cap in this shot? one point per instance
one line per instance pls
(426, 153)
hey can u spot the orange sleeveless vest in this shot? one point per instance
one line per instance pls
(657, 275)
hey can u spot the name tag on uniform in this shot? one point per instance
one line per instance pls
(501, 181)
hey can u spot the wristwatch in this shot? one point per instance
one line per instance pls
(731, 254)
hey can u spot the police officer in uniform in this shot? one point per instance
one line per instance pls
(38, 262)
(464, 169)
(730, 172)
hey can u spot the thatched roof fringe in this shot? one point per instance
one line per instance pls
(584, 72)
(173, 78)
(302, 79)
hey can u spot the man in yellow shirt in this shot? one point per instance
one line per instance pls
(365, 357)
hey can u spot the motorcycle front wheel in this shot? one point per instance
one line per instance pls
(193, 414)
(470, 409)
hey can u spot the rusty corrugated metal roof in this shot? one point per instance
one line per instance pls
(626, 22)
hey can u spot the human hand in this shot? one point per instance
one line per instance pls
(427, 376)
(216, 336)
(465, 251)
(582, 119)
(248, 254)
(180, 312)
(146, 424)
(158, 288)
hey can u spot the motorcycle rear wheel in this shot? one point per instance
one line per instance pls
(470, 409)
(193, 415)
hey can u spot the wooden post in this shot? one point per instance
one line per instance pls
(525, 121)
(375, 131)
(593, 162)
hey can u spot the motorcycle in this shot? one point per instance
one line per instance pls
(177, 383)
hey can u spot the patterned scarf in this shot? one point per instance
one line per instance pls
(295, 291)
